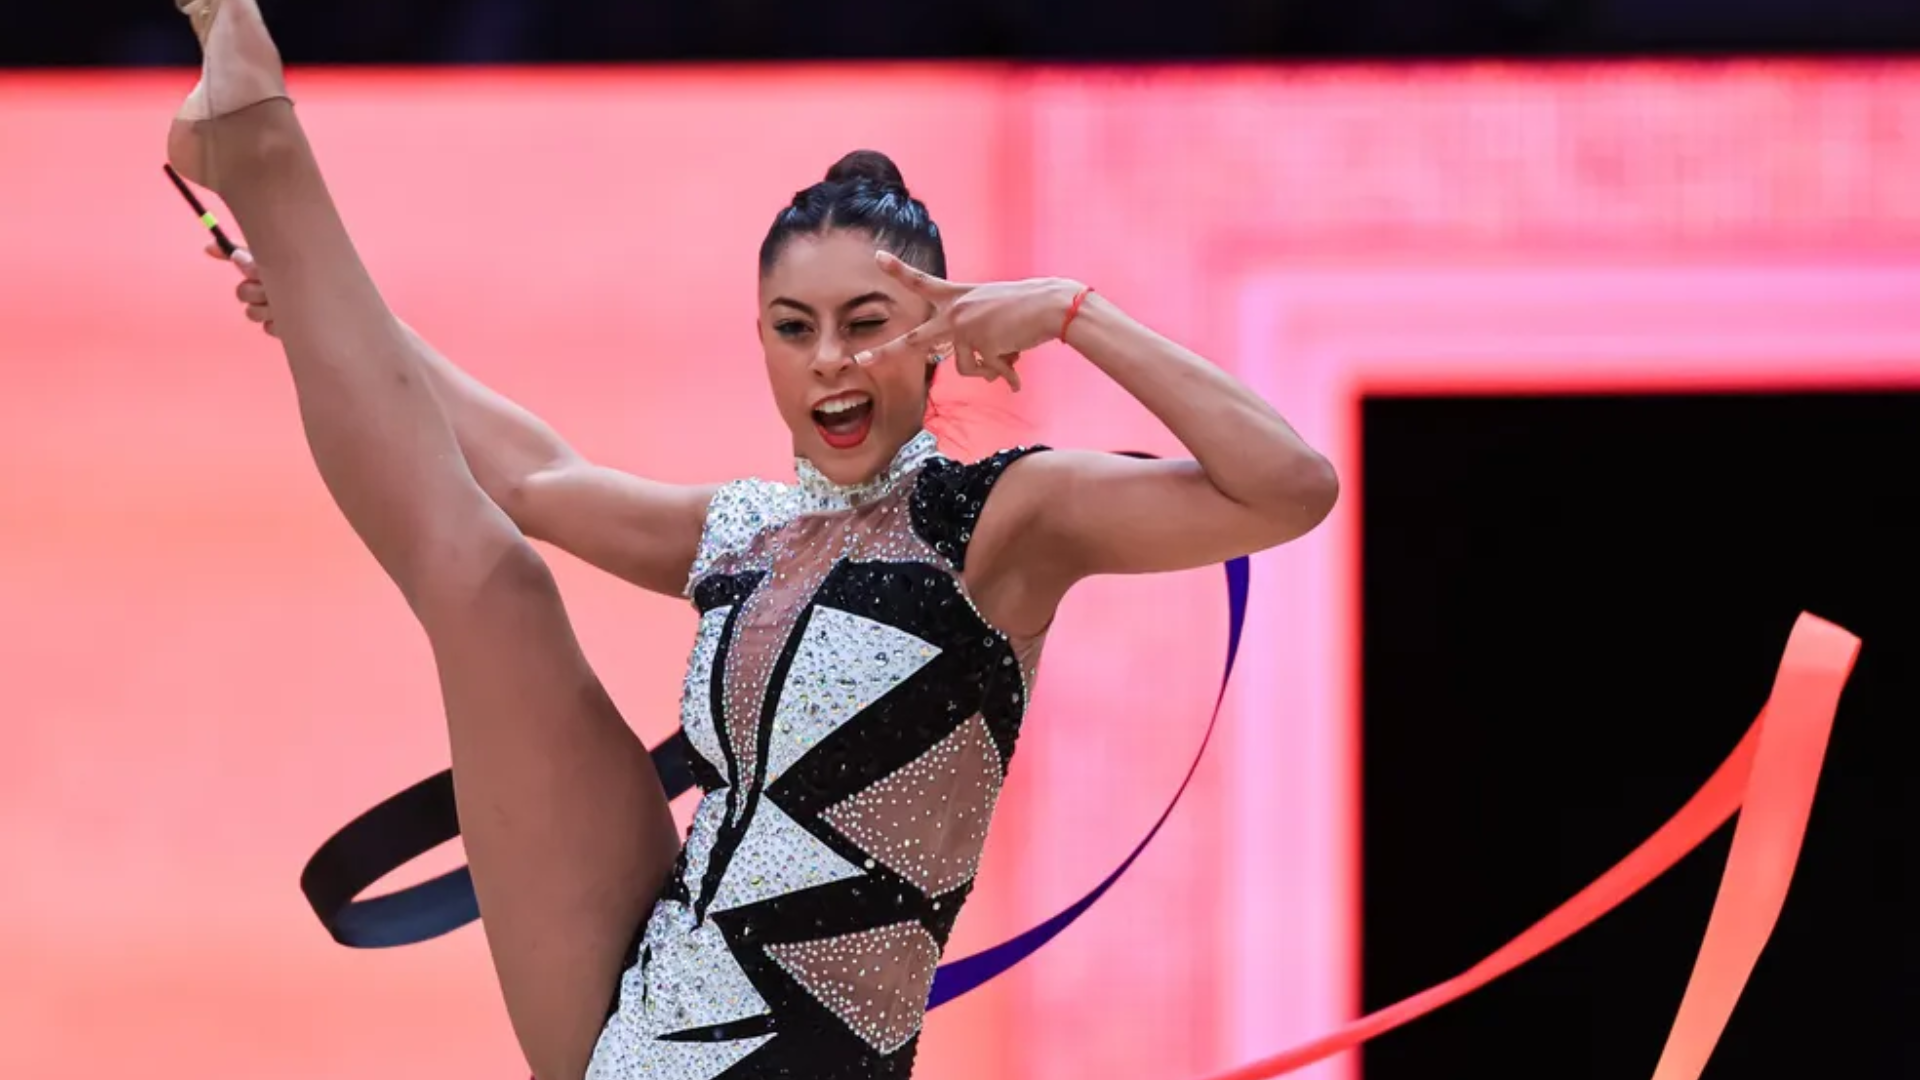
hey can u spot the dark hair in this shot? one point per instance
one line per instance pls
(863, 191)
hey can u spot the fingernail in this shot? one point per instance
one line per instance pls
(862, 357)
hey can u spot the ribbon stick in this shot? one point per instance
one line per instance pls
(1769, 780)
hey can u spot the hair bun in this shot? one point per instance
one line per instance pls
(872, 166)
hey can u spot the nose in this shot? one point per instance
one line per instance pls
(832, 357)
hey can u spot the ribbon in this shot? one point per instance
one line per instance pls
(1770, 780)
(961, 976)
(423, 817)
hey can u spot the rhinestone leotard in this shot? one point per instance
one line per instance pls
(851, 715)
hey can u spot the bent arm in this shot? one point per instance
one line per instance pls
(1253, 482)
(641, 530)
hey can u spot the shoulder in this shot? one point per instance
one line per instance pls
(738, 512)
(950, 496)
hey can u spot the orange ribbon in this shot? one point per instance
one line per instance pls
(1770, 779)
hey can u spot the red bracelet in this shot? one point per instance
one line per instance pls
(1073, 309)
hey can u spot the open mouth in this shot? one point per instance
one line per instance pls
(844, 421)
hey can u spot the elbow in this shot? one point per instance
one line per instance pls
(1298, 494)
(528, 493)
(520, 496)
(1312, 487)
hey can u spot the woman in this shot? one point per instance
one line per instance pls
(866, 639)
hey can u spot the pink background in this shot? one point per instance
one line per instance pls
(203, 674)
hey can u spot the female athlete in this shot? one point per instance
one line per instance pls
(867, 633)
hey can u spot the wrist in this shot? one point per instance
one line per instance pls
(1070, 301)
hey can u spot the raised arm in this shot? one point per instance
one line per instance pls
(641, 530)
(1252, 483)
(1057, 518)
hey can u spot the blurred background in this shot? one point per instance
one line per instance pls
(135, 32)
(1607, 310)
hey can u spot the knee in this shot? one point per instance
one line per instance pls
(460, 576)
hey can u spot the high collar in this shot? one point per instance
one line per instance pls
(824, 494)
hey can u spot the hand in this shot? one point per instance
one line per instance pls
(984, 327)
(250, 292)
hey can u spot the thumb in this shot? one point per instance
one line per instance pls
(243, 259)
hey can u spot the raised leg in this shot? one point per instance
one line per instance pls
(567, 828)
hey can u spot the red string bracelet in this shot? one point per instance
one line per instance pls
(1073, 309)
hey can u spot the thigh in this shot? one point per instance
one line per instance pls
(566, 826)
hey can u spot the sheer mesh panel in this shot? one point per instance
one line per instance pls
(926, 822)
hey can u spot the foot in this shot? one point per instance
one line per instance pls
(240, 67)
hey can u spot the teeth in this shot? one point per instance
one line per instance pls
(840, 405)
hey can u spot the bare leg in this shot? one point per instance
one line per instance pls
(567, 828)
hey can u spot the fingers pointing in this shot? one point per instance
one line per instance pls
(919, 281)
(921, 341)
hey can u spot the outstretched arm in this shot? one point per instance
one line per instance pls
(641, 530)
(1056, 518)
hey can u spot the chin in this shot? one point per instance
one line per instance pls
(850, 465)
(856, 463)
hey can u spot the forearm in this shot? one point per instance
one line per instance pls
(637, 529)
(1247, 449)
(504, 444)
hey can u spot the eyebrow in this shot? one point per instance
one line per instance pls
(863, 298)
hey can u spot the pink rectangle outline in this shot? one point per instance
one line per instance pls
(1295, 890)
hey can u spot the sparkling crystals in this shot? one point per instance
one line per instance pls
(821, 583)
(876, 981)
(844, 664)
(686, 979)
(928, 821)
(624, 1055)
(696, 696)
(825, 494)
(777, 857)
(707, 819)
(948, 500)
(737, 515)
(690, 978)
(744, 510)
